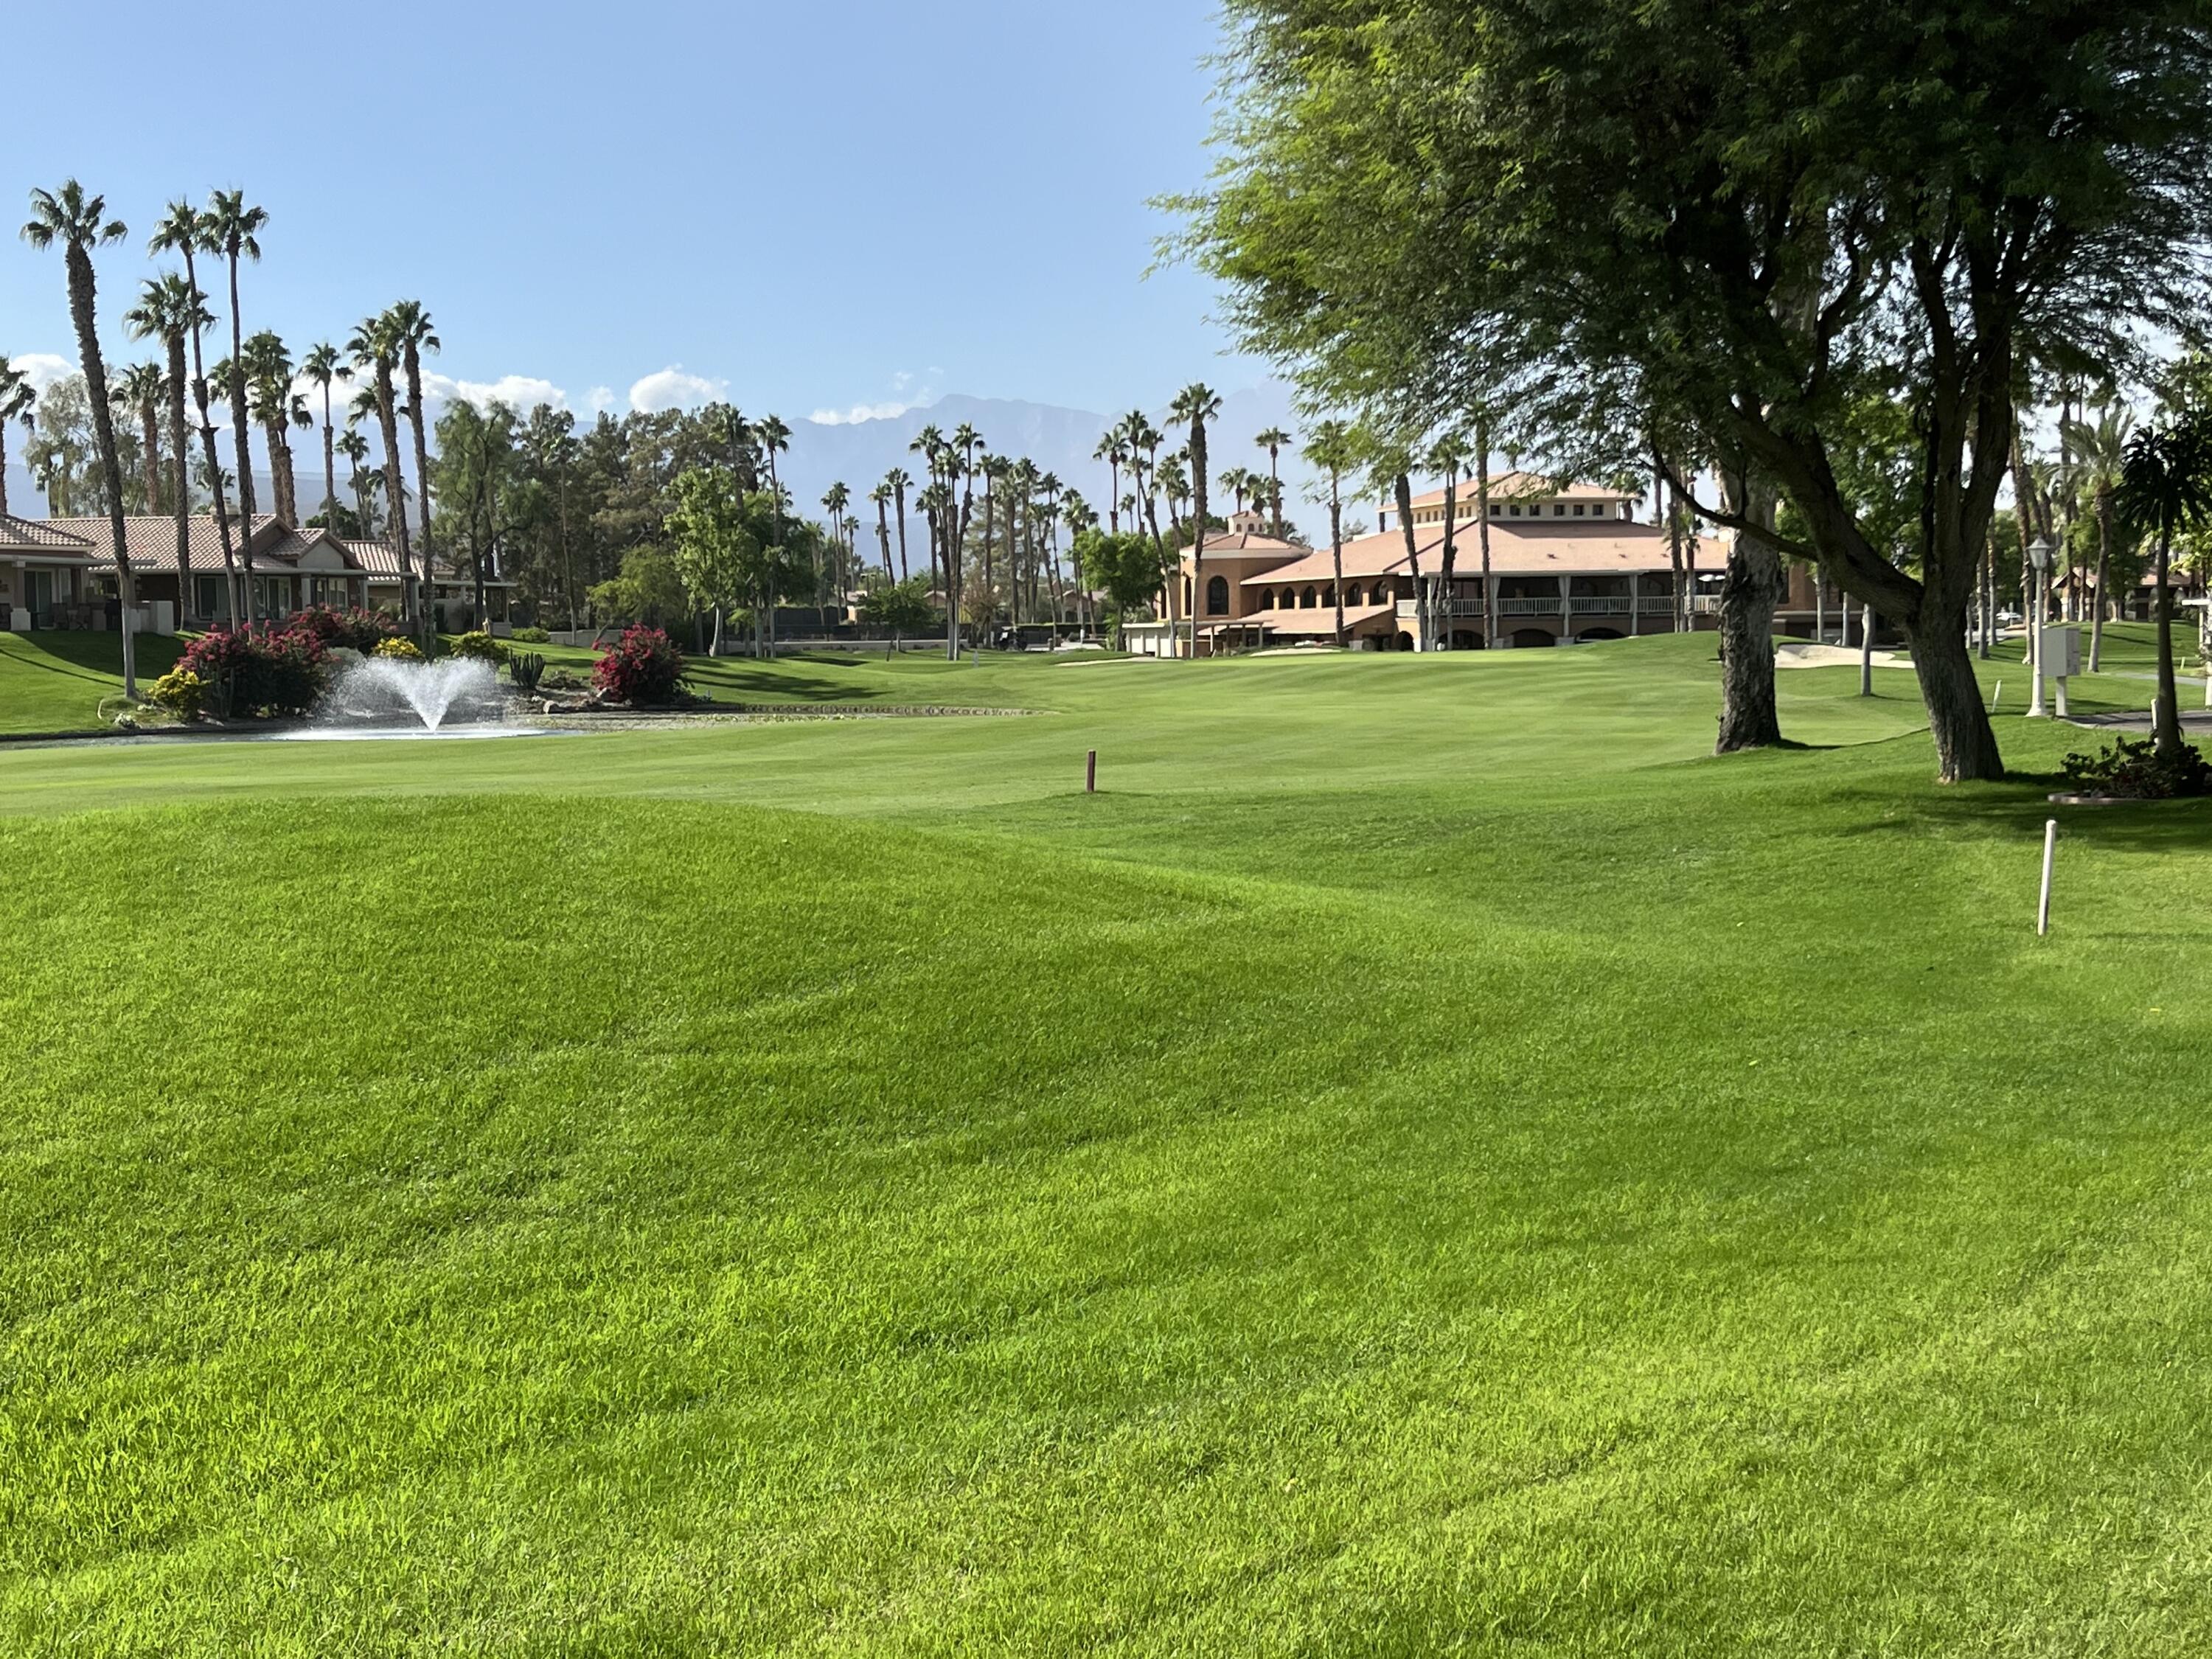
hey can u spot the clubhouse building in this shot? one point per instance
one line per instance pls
(1567, 564)
(59, 573)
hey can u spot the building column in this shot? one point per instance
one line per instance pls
(1635, 605)
(1566, 609)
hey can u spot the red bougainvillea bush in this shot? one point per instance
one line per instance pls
(643, 669)
(264, 670)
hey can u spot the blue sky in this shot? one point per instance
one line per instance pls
(838, 206)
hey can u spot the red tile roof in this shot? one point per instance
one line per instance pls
(1609, 547)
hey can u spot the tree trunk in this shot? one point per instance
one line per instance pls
(395, 502)
(149, 439)
(1866, 652)
(81, 293)
(1444, 581)
(214, 465)
(1336, 552)
(1482, 532)
(237, 394)
(2167, 720)
(2104, 576)
(1965, 747)
(414, 367)
(1751, 589)
(1403, 488)
(181, 505)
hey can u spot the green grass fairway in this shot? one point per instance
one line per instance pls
(54, 682)
(1427, 1159)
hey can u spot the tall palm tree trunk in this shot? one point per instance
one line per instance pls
(213, 460)
(395, 499)
(180, 502)
(2167, 723)
(149, 440)
(237, 392)
(2102, 602)
(1403, 486)
(414, 366)
(330, 464)
(81, 293)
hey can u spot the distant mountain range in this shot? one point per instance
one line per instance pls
(1059, 440)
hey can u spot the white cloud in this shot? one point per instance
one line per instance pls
(673, 388)
(601, 400)
(858, 413)
(42, 368)
(521, 392)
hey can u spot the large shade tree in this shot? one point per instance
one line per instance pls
(1736, 215)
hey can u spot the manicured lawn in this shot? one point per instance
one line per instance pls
(54, 682)
(1426, 1160)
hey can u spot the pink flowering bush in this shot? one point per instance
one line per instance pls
(264, 670)
(643, 669)
(357, 630)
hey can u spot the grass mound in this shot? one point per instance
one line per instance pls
(758, 1229)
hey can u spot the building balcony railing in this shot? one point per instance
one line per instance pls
(1547, 606)
(1599, 604)
(1655, 605)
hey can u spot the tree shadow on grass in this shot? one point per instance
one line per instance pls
(781, 687)
(87, 654)
(2017, 809)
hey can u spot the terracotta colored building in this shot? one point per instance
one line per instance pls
(1568, 564)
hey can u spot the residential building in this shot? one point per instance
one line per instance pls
(59, 573)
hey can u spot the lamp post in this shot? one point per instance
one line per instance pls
(2039, 556)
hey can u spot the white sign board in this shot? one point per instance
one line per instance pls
(2061, 653)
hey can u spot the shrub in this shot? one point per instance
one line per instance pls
(258, 671)
(526, 668)
(644, 668)
(401, 650)
(355, 630)
(480, 645)
(532, 637)
(181, 691)
(2133, 771)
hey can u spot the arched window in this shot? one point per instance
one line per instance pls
(1327, 596)
(1216, 596)
(1306, 600)
(1267, 598)
(1351, 596)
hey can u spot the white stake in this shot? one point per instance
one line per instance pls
(1997, 697)
(2049, 846)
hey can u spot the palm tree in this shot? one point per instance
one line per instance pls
(269, 372)
(2166, 486)
(80, 223)
(898, 481)
(233, 229)
(1329, 447)
(772, 438)
(170, 309)
(354, 447)
(996, 469)
(19, 401)
(136, 389)
(1274, 441)
(183, 230)
(881, 496)
(1197, 403)
(2095, 450)
(1114, 453)
(374, 349)
(320, 367)
(835, 501)
(411, 331)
